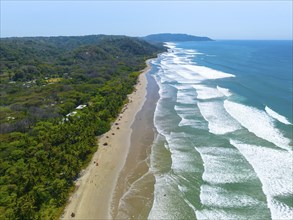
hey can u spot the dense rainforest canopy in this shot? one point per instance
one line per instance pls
(57, 94)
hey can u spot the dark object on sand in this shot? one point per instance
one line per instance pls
(105, 144)
(72, 214)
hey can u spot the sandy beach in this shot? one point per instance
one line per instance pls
(134, 193)
(96, 186)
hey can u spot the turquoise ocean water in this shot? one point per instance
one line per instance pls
(224, 123)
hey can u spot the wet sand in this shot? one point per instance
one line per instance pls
(133, 196)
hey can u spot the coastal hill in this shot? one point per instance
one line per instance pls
(166, 37)
(57, 95)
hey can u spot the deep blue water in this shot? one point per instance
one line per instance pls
(263, 69)
(224, 122)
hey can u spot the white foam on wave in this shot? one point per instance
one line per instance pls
(162, 125)
(183, 155)
(194, 53)
(220, 122)
(275, 171)
(184, 56)
(183, 67)
(182, 161)
(170, 45)
(228, 214)
(180, 60)
(185, 98)
(167, 77)
(189, 117)
(224, 165)
(184, 53)
(224, 91)
(223, 198)
(207, 214)
(189, 76)
(178, 69)
(257, 122)
(165, 64)
(208, 73)
(191, 51)
(204, 92)
(180, 74)
(185, 94)
(185, 110)
(277, 116)
(205, 72)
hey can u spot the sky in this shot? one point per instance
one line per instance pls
(215, 19)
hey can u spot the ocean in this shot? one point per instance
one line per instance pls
(223, 148)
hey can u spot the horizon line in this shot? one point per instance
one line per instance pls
(36, 36)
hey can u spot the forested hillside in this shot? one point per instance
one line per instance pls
(58, 94)
(166, 37)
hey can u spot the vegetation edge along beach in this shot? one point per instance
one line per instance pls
(57, 95)
(96, 188)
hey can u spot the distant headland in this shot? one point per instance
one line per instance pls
(164, 37)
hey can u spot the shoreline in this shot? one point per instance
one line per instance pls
(134, 193)
(92, 198)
